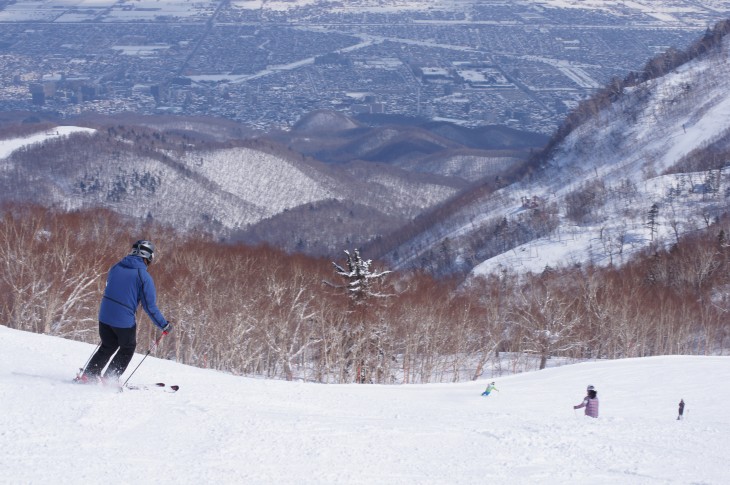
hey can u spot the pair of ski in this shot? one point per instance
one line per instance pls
(146, 387)
(161, 386)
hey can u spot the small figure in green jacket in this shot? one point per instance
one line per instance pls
(489, 389)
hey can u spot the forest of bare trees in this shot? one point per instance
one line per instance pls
(259, 311)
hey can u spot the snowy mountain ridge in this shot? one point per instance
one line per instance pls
(219, 189)
(239, 185)
(611, 170)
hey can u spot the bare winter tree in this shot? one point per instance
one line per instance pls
(490, 329)
(546, 319)
(214, 297)
(288, 319)
(50, 272)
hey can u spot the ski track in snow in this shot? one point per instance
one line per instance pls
(220, 428)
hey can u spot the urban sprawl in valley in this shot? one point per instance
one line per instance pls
(517, 63)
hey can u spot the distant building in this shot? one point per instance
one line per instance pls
(436, 75)
(38, 94)
(41, 91)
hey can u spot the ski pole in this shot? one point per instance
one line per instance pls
(83, 369)
(151, 349)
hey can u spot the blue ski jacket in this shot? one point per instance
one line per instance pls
(127, 285)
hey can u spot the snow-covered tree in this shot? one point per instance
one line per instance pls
(652, 219)
(360, 280)
(361, 337)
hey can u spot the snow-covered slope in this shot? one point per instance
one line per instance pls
(216, 189)
(613, 166)
(470, 166)
(9, 145)
(269, 182)
(633, 143)
(220, 428)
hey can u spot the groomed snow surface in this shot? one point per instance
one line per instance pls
(224, 429)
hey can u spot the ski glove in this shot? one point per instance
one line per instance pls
(167, 328)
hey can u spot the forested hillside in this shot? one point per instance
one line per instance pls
(244, 186)
(641, 162)
(259, 311)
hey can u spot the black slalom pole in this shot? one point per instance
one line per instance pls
(83, 369)
(151, 349)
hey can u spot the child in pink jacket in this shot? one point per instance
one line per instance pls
(590, 402)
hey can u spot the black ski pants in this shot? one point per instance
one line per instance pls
(123, 341)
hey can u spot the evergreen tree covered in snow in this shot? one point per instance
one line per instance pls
(360, 279)
(362, 334)
(653, 219)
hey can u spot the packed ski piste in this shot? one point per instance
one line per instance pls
(222, 428)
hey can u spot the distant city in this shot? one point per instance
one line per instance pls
(265, 64)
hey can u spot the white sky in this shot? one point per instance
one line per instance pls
(225, 429)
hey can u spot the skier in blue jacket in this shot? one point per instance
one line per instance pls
(128, 285)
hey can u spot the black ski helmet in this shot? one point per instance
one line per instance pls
(144, 249)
